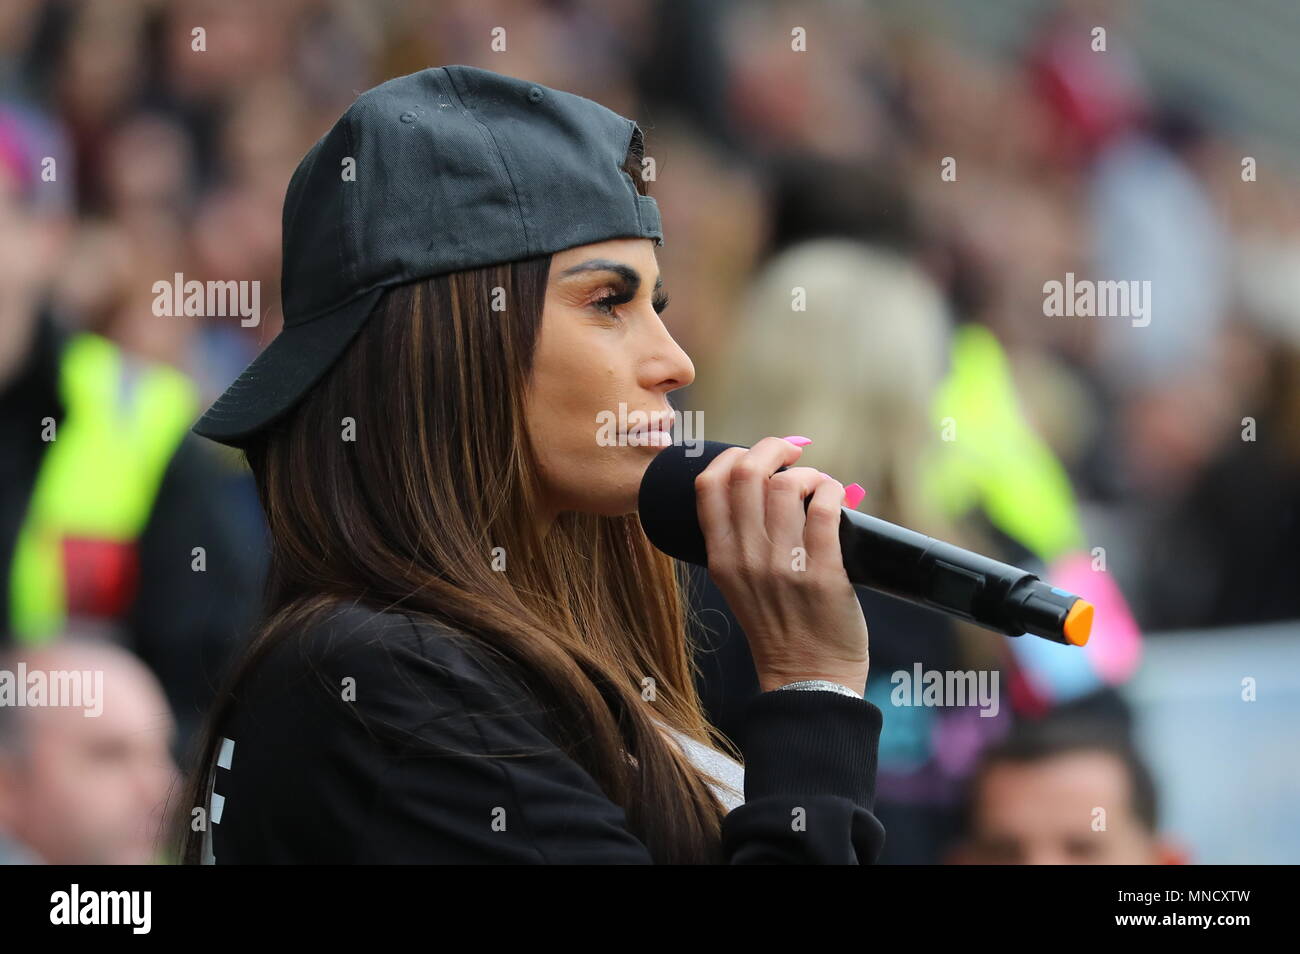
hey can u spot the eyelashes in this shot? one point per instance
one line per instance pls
(608, 303)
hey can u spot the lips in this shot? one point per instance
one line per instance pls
(656, 432)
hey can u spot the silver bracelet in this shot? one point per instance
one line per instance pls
(822, 684)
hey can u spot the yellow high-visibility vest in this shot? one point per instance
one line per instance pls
(996, 461)
(100, 476)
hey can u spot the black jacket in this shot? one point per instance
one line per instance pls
(364, 741)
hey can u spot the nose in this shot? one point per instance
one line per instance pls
(667, 367)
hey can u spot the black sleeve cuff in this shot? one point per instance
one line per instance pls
(806, 742)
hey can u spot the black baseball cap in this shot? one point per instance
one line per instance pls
(449, 168)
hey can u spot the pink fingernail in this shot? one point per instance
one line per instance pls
(798, 441)
(853, 495)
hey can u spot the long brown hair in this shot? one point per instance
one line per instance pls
(408, 515)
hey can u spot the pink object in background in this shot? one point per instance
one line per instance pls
(1115, 648)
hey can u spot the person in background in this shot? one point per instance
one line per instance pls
(1245, 501)
(107, 510)
(876, 329)
(85, 784)
(846, 292)
(1063, 792)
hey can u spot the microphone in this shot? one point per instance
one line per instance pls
(879, 555)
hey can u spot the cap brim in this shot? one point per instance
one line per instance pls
(284, 372)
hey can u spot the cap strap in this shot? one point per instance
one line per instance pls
(647, 213)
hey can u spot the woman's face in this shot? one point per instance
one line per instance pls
(602, 370)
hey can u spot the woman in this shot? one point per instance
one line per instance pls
(471, 652)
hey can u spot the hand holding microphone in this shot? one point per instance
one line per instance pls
(797, 607)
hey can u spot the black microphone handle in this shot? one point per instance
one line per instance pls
(939, 575)
(936, 575)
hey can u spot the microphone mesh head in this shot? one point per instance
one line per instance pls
(666, 501)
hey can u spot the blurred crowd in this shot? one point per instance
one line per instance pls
(915, 197)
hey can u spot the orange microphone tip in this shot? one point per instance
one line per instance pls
(1078, 623)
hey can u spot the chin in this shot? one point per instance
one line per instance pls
(613, 501)
(607, 491)
(615, 506)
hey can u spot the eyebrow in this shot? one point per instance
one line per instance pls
(630, 275)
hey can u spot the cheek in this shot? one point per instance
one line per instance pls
(569, 388)
(574, 381)
(575, 376)
(564, 419)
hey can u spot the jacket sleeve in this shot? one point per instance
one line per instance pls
(464, 771)
(810, 775)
